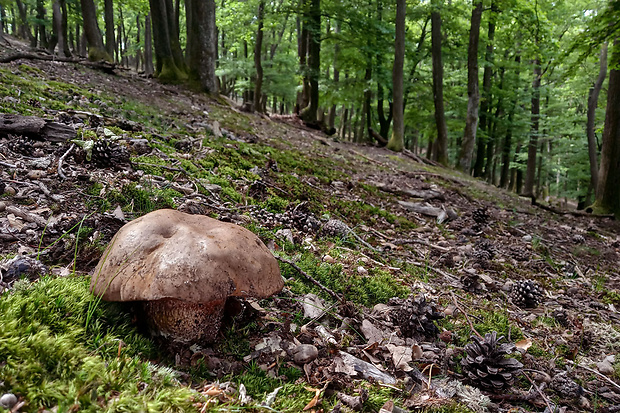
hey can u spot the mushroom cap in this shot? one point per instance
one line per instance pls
(194, 258)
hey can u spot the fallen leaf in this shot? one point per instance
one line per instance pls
(524, 344)
(315, 399)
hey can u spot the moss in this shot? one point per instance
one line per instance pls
(53, 359)
(378, 287)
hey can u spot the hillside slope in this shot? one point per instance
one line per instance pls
(460, 258)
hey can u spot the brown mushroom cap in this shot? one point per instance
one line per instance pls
(168, 254)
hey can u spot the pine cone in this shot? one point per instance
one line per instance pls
(415, 317)
(486, 365)
(21, 145)
(519, 253)
(526, 294)
(106, 154)
(335, 228)
(35, 103)
(481, 216)
(484, 250)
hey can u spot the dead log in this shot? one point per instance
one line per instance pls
(429, 210)
(425, 194)
(104, 66)
(36, 128)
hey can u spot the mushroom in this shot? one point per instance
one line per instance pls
(181, 269)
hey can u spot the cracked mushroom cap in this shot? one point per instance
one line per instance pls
(167, 254)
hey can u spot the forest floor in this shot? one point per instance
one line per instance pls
(429, 259)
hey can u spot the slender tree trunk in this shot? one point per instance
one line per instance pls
(96, 50)
(43, 41)
(485, 102)
(109, 26)
(314, 60)
(608, 190)
(592, 104)
(532, 148)
(258, 51)
(440, 119)
(138, 47)
(56, 29)
(148, 46)
(471, 122)
(396, 143)
(63, 38)
(25, 31)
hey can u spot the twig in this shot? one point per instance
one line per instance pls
(471, 325)
(539, 392)
(62, 159)
(370, 259)
(309, 278)
(7, 165)
(595, 372)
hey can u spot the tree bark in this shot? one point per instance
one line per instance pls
(202, 57)
(592, 103)
(313, 17)
(396, 142)
(258, 50)
(56, 29)
(96, 50)
(532, 149)
(485, 102)
(109, 26)
(25, 31)
(608, 189)
(471, 123)
(148, 46)
(40, 27)
(507, 146)
(166, 67)
(440, 119)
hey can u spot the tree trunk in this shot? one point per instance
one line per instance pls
(43, 41)
(485, 102)
(173, 32)
(25, 31)
(608, 189)
(96, 50)
(532, 148)
(396, 142)
(440, 119)
(313, 17)
(166, 68)
(138, 50)
(592, 104)
(109, 27)
(56, 29)
(258, 50)
(471, 122)
(148, 46)
(63, 39)
(202, 57)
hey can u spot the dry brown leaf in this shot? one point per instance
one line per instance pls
(524, 344)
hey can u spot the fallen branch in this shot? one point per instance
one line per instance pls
(420, 159)
(62, 159)
(310, 278)
(420, 241)
(471, 325)
(539, 392)
(595, 372)
(106, 67)
(7, 165)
